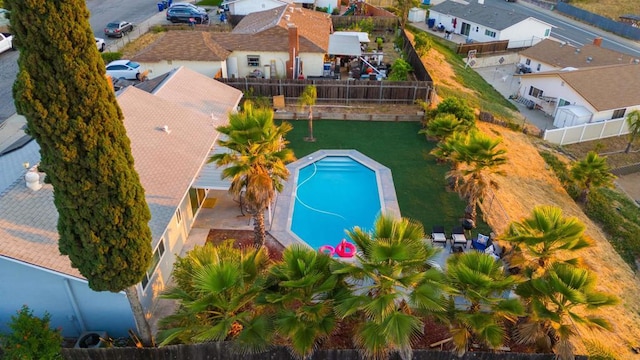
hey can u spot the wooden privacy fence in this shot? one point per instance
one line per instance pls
(483, 47)
(587, 132)
(413, 58)
(223, 350)
(379, 22)
(337, 91)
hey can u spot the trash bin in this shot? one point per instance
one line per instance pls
(170, 2)
(431, 23)
(160, 6)
(165, 4)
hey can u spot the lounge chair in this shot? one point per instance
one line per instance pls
(438, 236)
(458, 237)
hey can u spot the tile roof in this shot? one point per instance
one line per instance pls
(314, 27)
(166, 162)
(486, 15)
(605, 87)
(562, 55)
(182, 45)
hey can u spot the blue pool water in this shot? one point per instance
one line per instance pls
(334, 194)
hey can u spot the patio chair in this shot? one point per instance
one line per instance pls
(458, 237)
(438, 236)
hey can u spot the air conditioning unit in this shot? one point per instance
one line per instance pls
(92, 339)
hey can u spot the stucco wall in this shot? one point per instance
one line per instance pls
(312, 63)
(206, 68)
(42, 291)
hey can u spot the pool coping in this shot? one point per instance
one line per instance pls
(280, 227)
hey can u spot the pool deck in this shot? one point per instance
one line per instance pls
(283, 210)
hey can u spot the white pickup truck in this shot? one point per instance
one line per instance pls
(6, 42)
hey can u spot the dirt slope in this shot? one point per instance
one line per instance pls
(529, 183)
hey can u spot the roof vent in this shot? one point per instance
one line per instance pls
(589, 59)
(287, 17)
(636, 61)
(32, 178)
(290, 8)
(578, 51)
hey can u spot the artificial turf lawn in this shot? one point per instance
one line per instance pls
(419, 181)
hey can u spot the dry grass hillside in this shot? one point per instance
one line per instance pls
(529, 182)
(609, 8)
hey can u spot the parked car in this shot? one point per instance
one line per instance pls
(124, 69)
(184, 13)
(189, 5)
(6, 42)
(100, 44)
(117, 28)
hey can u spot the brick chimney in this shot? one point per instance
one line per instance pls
(597, 41)
(294, 50)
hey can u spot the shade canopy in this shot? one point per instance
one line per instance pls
(348, 45)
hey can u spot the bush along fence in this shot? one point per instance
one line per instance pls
(337, 91)
(413, 58)
(223, 350)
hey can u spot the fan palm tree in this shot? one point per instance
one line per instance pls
(393, 282)
(256, 163)
(591, 172)
(215, 289)
(545, 233)
(481, 158)
(554, 299)
(480, 282)
(308, 98)
(443, 126)
(457, 107)
(633, 121)
(302, 288)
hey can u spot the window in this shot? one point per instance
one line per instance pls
(253, 60)
(155, 260)
(539, 67)
(547, 32)
(179, 216)
(536, 93)
(617, 114)
(563, 102)
(490, 33)
(528, 62)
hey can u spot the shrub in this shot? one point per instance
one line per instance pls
(31, 337)
(158, 29)
(400, 70)
(108, 57)
(423, 43)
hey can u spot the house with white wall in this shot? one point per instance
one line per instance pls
(167, 159)
(194, 50)
(548, 55)
(271, 43)
(484, 23)
(246, 7)
(588, 95)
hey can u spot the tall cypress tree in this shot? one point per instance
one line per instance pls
(72, 113)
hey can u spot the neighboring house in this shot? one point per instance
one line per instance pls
(330, 4)
(483, 23)
(271, 42)
(578, 96)
(168, 159)
(549, 55)
(246, 7)
(194, 50)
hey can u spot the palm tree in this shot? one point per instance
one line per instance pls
(554, 299)
(216, 288)
(457, 107)
(443, 126)
(302, 288)
(545, 233)
(256, 163)
(591, 172)
(480, 282)
(481, 157)
(633, 121)
(308, 98)
(393, 282)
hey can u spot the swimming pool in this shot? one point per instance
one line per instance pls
(328, 192)
(333, 194)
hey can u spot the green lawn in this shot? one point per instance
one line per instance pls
(419, 181)
(210, 2)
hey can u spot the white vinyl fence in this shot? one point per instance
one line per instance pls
(587, 132)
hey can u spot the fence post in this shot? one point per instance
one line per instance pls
(348, 83)
(415, 93)
(280, 87)
(582, 133)
(380, 94)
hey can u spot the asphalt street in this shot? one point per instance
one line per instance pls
(102, 12)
